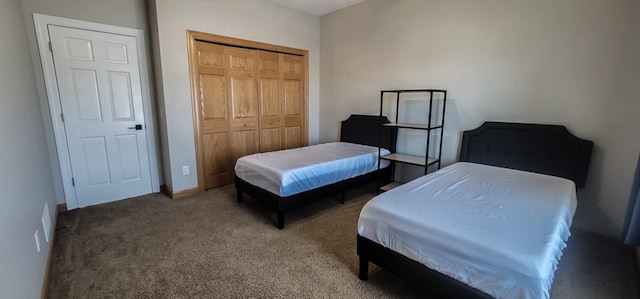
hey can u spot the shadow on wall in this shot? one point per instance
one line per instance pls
(416, 144)
(452, 133)
(589, 215)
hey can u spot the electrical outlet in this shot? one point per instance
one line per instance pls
(46, 222)
(185, 170)
(37, 241)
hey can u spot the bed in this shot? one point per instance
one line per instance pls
(288, 179)
(459, 233)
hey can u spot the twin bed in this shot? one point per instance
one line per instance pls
(287, 179)
(492, 225)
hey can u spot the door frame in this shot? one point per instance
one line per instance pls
(192, 37)
(41, 23)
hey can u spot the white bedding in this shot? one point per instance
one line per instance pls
(292, 171)
(498, 230)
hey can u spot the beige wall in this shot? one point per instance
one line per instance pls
(159, 86)
(25, 176)
(124, 13)
(569, 62)
(255, 20)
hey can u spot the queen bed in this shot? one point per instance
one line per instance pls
(491, 226)
(284, 180)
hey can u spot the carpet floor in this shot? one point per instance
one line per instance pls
(209, 246)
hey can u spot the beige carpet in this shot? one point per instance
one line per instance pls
(208, 246)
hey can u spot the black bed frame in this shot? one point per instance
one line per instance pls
(547, 149)
(361, 129)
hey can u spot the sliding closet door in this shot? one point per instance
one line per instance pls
(228, 99)
(213, 99)
(293, 90)
(244, 101)
(248, 97)
(282, 101)
(271, 111)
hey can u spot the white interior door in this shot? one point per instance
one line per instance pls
(99, 87)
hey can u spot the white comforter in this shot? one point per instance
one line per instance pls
(498, 230)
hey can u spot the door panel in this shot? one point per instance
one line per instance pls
(85, 83)
(269, 64)
(294, 100)
(101, 98)
(116, 53)
(210, 55)
(292, 65)
(241, 59)
(270, 102)
(244, 101)
(270, 98)
(129, 163)
(95, 150)
(293, 137)
(213, 97)
(243, 96)
(78, 48)
(270, 139)
(244, 143)
(121, 99)
(214, 115)
(217, 159)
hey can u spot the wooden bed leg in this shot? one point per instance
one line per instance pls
(363, 273)
(239, 195)
(280, 220)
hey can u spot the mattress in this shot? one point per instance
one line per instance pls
(293, 171)
(498, 230)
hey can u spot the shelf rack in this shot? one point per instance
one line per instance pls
(424, 161)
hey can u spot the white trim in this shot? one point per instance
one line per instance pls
(41, 23)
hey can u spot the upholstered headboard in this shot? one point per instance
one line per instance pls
(368, 130)
(547, 149)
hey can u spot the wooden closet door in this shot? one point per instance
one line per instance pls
(293, 89)
(269, 93)
(245, 101)
(243, 96)
(213, 100)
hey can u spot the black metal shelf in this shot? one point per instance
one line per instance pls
(414, 126)
(410, 159)
(412, 90)
(422, 161)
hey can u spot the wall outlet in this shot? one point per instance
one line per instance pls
(185, 170)
(37, 241)
(46, 222)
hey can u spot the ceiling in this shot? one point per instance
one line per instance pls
(317, 7)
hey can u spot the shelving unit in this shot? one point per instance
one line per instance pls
(431, 95)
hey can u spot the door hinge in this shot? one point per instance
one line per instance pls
(73, 182)
(50, 47)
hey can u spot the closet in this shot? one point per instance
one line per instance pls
(246, 100)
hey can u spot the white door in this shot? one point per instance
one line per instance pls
(100, 94)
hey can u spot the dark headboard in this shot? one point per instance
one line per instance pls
(547, 149)
(368, 130)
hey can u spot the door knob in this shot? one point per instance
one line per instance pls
(137, 127)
